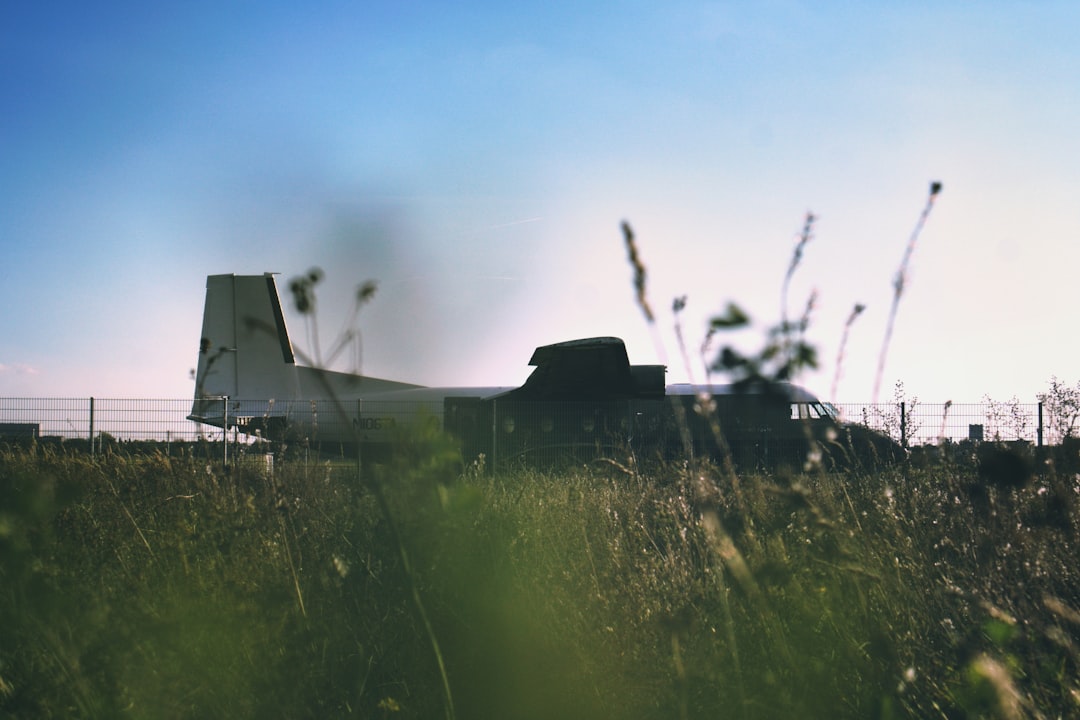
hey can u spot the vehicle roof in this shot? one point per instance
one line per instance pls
(792, 392)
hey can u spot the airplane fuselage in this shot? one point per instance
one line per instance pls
(583, 399)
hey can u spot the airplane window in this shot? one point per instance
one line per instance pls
(811, 411)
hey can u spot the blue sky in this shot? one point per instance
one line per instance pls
(477, 160)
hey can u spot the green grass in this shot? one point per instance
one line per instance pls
(161, 588)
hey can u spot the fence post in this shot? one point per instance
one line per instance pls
(903, 423)
(91, 427)
(494, 434)
(1040, 424)
(225, 431)
(356, 437)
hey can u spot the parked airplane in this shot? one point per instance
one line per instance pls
(584, 398)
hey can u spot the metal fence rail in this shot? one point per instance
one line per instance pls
(920, 423)
(164, 420)
(75, 419)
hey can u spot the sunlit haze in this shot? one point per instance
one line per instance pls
(476, 161)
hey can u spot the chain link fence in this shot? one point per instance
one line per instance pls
(93, 422)
(916, 423)
(74, 419)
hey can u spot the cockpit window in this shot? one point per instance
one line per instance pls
(812, 411)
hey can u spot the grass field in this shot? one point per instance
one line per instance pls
(154, 587)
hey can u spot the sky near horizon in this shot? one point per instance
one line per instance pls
(476, 161)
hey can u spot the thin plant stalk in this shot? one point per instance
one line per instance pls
(721, 542)
(376, 489)
(800, 244)
(900, 281)
(841, 353)
(304, 294)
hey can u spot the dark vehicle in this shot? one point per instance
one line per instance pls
(761, 427)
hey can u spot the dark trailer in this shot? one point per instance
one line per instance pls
(585, 401)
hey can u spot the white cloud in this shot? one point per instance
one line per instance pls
(18, 369)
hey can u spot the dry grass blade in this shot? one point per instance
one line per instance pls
(639, 272)
(128, 515)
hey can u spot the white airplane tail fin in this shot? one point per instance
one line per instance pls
(245, 355)
(245, 350)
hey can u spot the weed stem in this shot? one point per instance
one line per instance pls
(899, 282)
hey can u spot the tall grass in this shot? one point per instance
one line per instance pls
(151, 587)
